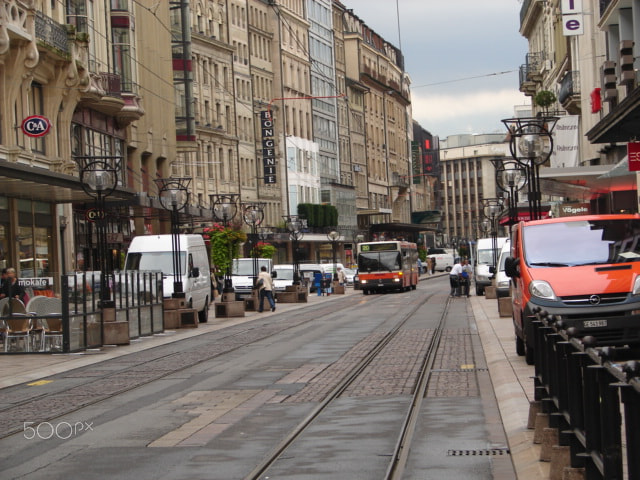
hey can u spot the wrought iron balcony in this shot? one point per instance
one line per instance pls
(52, 33)
(569, 94)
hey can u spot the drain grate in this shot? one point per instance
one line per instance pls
(478, 452)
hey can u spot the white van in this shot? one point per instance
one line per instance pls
(155, 252)
(242, 275)
(485, 257)
(282, 277)
(502, 280)
(443, 257)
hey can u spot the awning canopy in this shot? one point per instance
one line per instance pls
(34, 183)
(523, 214)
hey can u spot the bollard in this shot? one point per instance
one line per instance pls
(560, 459)
(535, 407)
(549, 439)
(542, 422)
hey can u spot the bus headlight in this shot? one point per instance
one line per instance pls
(542, 289)
(636, 286)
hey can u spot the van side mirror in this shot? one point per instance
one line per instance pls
(492, 269)
(195, 272)
(511, 267)
(274, 274)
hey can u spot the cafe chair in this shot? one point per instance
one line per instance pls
(17, 329)
(14, 307)
(51, 333)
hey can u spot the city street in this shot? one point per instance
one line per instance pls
(284, 394)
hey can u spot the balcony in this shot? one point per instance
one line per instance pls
(527, 86)
(103, 93)
(52, 34)
(569, 94)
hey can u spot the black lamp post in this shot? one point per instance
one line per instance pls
(334, 235)
(174, 196)
(295, 224)
(531, 145)
(253, 215)
(511, 177)
(225, 207)
(491, 210)
(99, 178)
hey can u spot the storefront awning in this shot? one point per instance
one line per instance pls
(40, 184)
(523, 214)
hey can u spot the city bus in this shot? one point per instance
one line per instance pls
(390, 265)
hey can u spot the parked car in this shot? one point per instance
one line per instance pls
(349, 273)
(282, 277)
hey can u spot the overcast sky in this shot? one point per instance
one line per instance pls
(455, 53)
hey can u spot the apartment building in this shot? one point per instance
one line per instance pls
(592, 72)
(467, 175)
(178, 89)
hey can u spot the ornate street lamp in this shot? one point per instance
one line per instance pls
(99, 178)
(174, 196)
(295, 224)
(491, 210)
(334, 235)
(511, 177)
(253, 215)
(531, 145)
(225, 207)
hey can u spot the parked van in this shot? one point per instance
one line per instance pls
(486, 258)
(584, 270)
(282, 277)
(502, 280)
(242, 274)
(444, 258)
(155, 252)
(308, 271)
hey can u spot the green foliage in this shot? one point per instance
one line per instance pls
(318, 216)
(225, 245)
(263, 250)
(545, 98)
(422, 253)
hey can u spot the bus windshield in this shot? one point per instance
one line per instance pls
(379, 261)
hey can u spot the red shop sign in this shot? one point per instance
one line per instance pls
(633, 154)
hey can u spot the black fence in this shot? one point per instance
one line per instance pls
(73, 320)
(592, 395)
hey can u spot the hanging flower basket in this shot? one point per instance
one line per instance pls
(263, 250)
(225, 245)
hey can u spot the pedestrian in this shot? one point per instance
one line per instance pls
(342, 278)
(2, 280)
(265, 288)
(466, 275)
(454, 279)
(11, 287)
(433, 265)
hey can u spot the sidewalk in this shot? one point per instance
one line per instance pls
(28, 368)
(512, 381)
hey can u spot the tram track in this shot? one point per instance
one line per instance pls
(97, 383)
(401, 450)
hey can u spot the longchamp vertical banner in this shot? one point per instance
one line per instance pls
(268, 147)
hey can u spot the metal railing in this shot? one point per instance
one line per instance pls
(138, 300)
(592, 395)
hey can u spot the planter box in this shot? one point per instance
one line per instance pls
(229, 309)
(505, 308)
(490, 292)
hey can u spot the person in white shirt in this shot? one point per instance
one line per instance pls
(467, 273)
(454, 279)
(266, 289)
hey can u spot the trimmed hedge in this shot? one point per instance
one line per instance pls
(318, 216)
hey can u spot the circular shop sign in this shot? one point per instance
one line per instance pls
(36, 126)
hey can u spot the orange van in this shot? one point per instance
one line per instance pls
(585, 270)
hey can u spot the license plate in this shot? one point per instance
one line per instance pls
(595, 323)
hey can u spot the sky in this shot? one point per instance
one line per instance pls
(456, 53)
